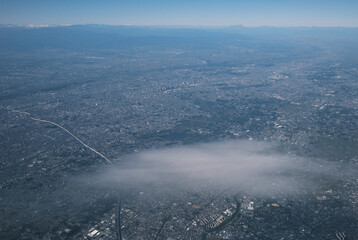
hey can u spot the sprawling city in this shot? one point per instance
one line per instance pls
(125, 132)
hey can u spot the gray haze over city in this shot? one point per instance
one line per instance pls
(246, 166)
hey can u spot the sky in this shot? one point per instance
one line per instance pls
(327, 13)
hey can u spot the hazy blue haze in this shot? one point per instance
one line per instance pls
(183, 12)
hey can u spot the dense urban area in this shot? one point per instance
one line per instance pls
(127, 90)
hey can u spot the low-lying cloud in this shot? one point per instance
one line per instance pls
(253, 167)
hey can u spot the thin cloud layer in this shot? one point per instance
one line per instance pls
(252, 167)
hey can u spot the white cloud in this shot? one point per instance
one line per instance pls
(252, 167)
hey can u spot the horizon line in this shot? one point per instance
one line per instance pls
(168, 26)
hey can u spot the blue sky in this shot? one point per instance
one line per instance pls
(181, 12)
